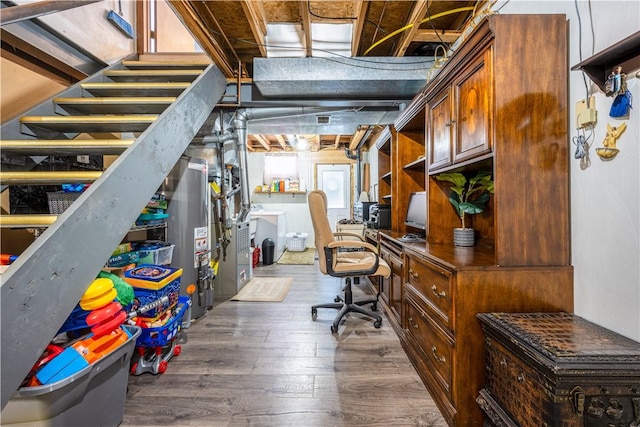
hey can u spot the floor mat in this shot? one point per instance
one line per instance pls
(264, 289)
(306, 257)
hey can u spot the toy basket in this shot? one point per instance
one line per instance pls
(296, 242)
(162, 335)
(59, 201)
(151, 283)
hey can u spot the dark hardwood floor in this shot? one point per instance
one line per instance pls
(271, 364)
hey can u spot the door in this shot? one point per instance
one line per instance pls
(473, 108)
(335, 181)
(440, 131)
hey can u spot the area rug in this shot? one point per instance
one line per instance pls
(264, 289)
(306, 257)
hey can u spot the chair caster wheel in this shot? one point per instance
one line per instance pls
(337, 299)
(377, 324)
(374, 306)
(314, 311)
(334, 329)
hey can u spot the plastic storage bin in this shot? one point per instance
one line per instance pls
(94, 395)
(158, 254)
(296, 242)
(59, 201)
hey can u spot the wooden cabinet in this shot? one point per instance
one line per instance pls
(459, 116)
(499, 104)
(508, 116)
(408, 160)
(557, 369)
(391, 287)
(383, 144)
(443, 292)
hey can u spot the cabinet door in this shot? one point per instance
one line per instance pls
(396, 286)
(385, 282)
(439, 120)
(473, 115)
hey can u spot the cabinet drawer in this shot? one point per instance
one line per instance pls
(435, 285)
(432, 342)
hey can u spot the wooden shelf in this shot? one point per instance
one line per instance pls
(386, 176)
(281, 192)
(625, 53)
(419, 165)
(278, 193)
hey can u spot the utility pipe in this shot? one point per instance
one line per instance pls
(238, 132)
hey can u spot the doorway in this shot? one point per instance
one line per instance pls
(335, 181)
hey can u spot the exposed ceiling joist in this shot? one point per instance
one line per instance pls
(431, 36)
(382, 34)
(305, 19)
(281, 141)
(356, 138)
(417, 14)
(254, 10)
(200, 31)
(262, 142)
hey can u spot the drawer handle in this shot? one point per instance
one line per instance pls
(440, 359)
(450, 123)
(441, 294)
(520, 377)
(413, 274)
(413, 324)
(503, 362)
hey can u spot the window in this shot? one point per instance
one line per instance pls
(280, 166)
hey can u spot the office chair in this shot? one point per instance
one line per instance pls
(343, 264)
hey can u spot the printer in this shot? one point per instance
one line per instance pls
(379, 216)
(361, 211)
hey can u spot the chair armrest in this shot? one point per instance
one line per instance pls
(348, 234)
(332, 248)
(348, 244)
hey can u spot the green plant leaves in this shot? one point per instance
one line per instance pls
(468, 196)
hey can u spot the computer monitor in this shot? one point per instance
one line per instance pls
(417, 210)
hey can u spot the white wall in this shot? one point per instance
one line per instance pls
(294, 206)
(605, 196)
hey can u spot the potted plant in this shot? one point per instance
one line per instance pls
(468, 196)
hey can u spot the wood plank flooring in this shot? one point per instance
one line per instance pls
(271, 364)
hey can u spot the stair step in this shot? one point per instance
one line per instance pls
(27, 221)
(90, 124)
(148, 65)
(64, 147)
(116, 104)
(135, 89)
(187, 75)
(48, 177)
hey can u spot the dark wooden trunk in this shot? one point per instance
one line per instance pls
(557, 369)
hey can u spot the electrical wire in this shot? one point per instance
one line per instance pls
(583, 143)
(584, 78)
(406, 27)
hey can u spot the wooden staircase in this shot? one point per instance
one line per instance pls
(147, 113)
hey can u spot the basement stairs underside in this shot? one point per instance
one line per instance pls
(161, 104)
